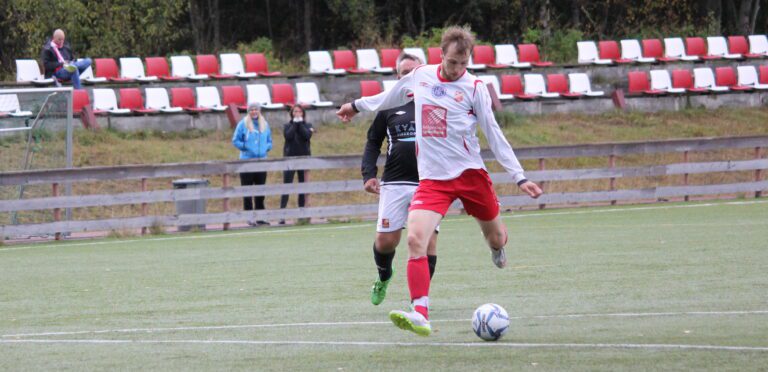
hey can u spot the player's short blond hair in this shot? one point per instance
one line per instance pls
(461, 36)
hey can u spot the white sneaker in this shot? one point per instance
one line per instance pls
(411, 321)
(499, 257)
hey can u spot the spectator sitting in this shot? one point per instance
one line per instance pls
(59, 61)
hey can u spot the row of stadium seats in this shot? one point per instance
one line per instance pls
(651, 50)
(703, 80)
(157, 69)
(367, 60)
(201, 99)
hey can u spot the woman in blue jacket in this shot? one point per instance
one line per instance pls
(254, 139)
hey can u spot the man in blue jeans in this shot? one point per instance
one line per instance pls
(59, 61)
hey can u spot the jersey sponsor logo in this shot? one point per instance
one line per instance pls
(416, 202)
(434, 121)
(458, 96)
(438, 91)
(424, 84)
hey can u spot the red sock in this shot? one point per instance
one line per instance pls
(418, 281)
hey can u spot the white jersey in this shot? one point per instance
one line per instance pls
(447, 114)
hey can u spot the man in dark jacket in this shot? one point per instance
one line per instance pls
(59, 61)
(297, 133)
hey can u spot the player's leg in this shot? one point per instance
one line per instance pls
(383, 255)
(393, 213)
(480, 201)
(432, 254)
(495, 233)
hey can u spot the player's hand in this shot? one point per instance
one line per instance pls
(372, 186)
(533, 190)
(346, 112)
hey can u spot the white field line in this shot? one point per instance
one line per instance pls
(511, 345)
(368, 225)
(345, 324)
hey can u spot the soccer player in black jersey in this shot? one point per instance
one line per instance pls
(398, 183)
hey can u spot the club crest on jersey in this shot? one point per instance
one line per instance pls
(438, 91)
(458, 96)
(385, 223)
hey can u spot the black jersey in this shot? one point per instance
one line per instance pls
(399, 127)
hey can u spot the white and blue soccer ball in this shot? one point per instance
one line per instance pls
(490, 322)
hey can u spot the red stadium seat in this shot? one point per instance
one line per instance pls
(558, 83)
(763, 79)
(740, 45)
(434, 56)
(389, 57)
(609, 49)
(257, 62)
(484, 55)
(208, 64)
(283, 93)
(653, 48)
(80, 99)
(513, 84)
(684, 79)
(639, 84)
(233, 94)
(185, 98)
(369, 88)
(530, 53)
(696, 46)
(107, 68)
(158, 66)
(131, 98)
(726, 77)
(346, 60)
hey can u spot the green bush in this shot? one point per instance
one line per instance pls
(559, 46)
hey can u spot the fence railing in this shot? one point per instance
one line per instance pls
(226, 169)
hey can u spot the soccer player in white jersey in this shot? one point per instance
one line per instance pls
(450, 104)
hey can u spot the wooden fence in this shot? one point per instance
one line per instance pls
(227, 169)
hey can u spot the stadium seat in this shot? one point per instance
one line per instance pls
(233, 94)
(696, 46)
(260, 93)
(158, 67)
(483, 54)
(758, 45)
(506, 54)
(9, 104)
(105, 102)
(369, 88)
(748, 78)
(131, 99)
(638, 84)
(739, 45)
(28, 71)
(473, 66)
(726, 77)
(80, 99)
(588, 54)
(388, 84)
(703, 77)
(209, 98)
(534, 86)
(345, 60)
(133, 68)
(368, 59)
(558, 83)
(181, 66)
(494, 82)
(684, 79)
(320, 63)
(283, 93)
(652, 48)
(418, 52)
(579, 83)
(157, 98)
(513, 84)
(717, 46)
(609, 49)
(307, 93)
(763, 79)
(661, 80)
(107, 68)
(232, 64)
(434, 56)
(87, 77)
(208, 64)
(389, 58)
(530, 53)
(675, 48)
(257, 62)
(185, 98)
(631, 50)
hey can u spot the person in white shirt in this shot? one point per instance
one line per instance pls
(450, 103)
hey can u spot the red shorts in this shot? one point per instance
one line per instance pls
(473, 187)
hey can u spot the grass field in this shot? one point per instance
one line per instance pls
(657, 287)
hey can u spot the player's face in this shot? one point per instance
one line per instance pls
(405, 67)
(454, 63)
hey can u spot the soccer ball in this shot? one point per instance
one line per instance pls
(490, 322)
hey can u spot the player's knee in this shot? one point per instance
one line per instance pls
(417, 244)
(386, 243)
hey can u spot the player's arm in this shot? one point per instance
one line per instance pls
(498, 143)
(376, 134)
(397, 96)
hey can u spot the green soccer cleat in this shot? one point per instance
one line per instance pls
(411, 321)
(379, 290)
